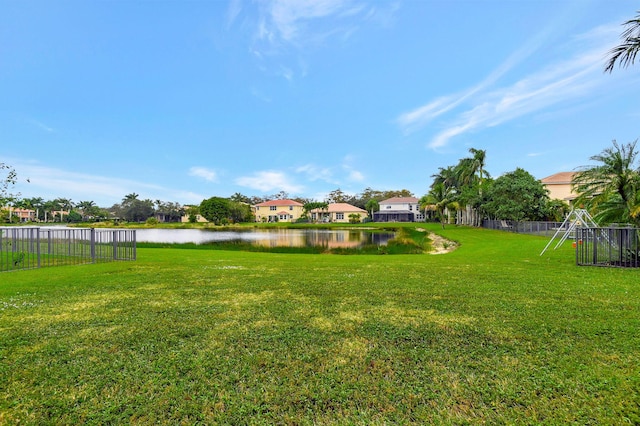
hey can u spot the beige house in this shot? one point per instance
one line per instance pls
(338, 212)
(278, 211)
(559, 186)
(23, 215)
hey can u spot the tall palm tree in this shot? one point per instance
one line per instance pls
(129, 198)
(611, 188)
(442, 198)
(625, 53)
(478, 163)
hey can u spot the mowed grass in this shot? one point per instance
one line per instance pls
(490, 333)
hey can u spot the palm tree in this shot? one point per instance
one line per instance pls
(611, 188)
(86, 207)
(129, 198)
(441, 197)
(625, 53)
(478, 163)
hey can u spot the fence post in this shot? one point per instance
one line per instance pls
(92, 245)
(38, 246)
(115, 245)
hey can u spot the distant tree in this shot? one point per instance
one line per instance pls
(138, 210)
(129, 198)
(625, 53)
(336, 196)
(73, 217)
(282, 195)
(240, 198)
(312, 205)
(372, 206)
(442, 198)
(87, 208)
(611, 187)
(8, 178)
(216, 209)
(354, 218)
(169, 211)
(557, 210)
(240, 212)
(517, 196)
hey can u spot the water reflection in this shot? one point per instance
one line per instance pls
(327, 238)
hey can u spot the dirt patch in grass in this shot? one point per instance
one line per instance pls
(441, 245)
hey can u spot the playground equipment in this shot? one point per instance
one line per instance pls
(575, 218)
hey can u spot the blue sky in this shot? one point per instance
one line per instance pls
(184, 100)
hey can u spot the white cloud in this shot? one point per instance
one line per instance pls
(285, 30)
(269, 180)
(204, 173)
(42, 126)
(50, 183)
(234, 9)
(563, 82)
(314, 173)
(289, 17)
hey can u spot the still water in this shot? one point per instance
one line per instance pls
(330, 238)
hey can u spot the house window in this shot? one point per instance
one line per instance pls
(339, 216)
(290, 207)
(273, 208)
(410, 207)
(388, 207)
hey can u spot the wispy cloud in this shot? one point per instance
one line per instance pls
(335, 175)
(314, 173)
(486, 105)
(50, 182)
(286, 30)
(204, 173)
(233, 10)
(42, 126)
(269, 180)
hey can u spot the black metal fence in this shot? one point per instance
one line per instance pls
(618, 247)
(33, 247)
(547, 229)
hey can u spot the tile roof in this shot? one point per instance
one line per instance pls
(340, 207)
(400, 200)
(558, 178)
(279, 203)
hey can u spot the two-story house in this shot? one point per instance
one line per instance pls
(559, 186)
(399, 209)
(23, 215)
(278, 211)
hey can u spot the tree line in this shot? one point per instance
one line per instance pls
(463, 193)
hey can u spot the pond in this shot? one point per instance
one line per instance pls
(329, 238)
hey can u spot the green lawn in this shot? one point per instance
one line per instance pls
(490, 333)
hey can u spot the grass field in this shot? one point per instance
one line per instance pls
(490, 333)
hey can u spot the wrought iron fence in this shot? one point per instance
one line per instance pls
(547, 229)
(34, 247)
(608, 247)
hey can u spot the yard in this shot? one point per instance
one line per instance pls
(489, 333)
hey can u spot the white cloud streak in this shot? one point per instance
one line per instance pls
(204, 173)
(269, 180)
(566, 81)
(50, 183)
(286, 28)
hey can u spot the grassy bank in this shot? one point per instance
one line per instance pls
(490, 333)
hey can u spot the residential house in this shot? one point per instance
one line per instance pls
(559, 186)
(187, 218)
(399, 209)
(23, 215)
(338, 212)
(278, 211)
